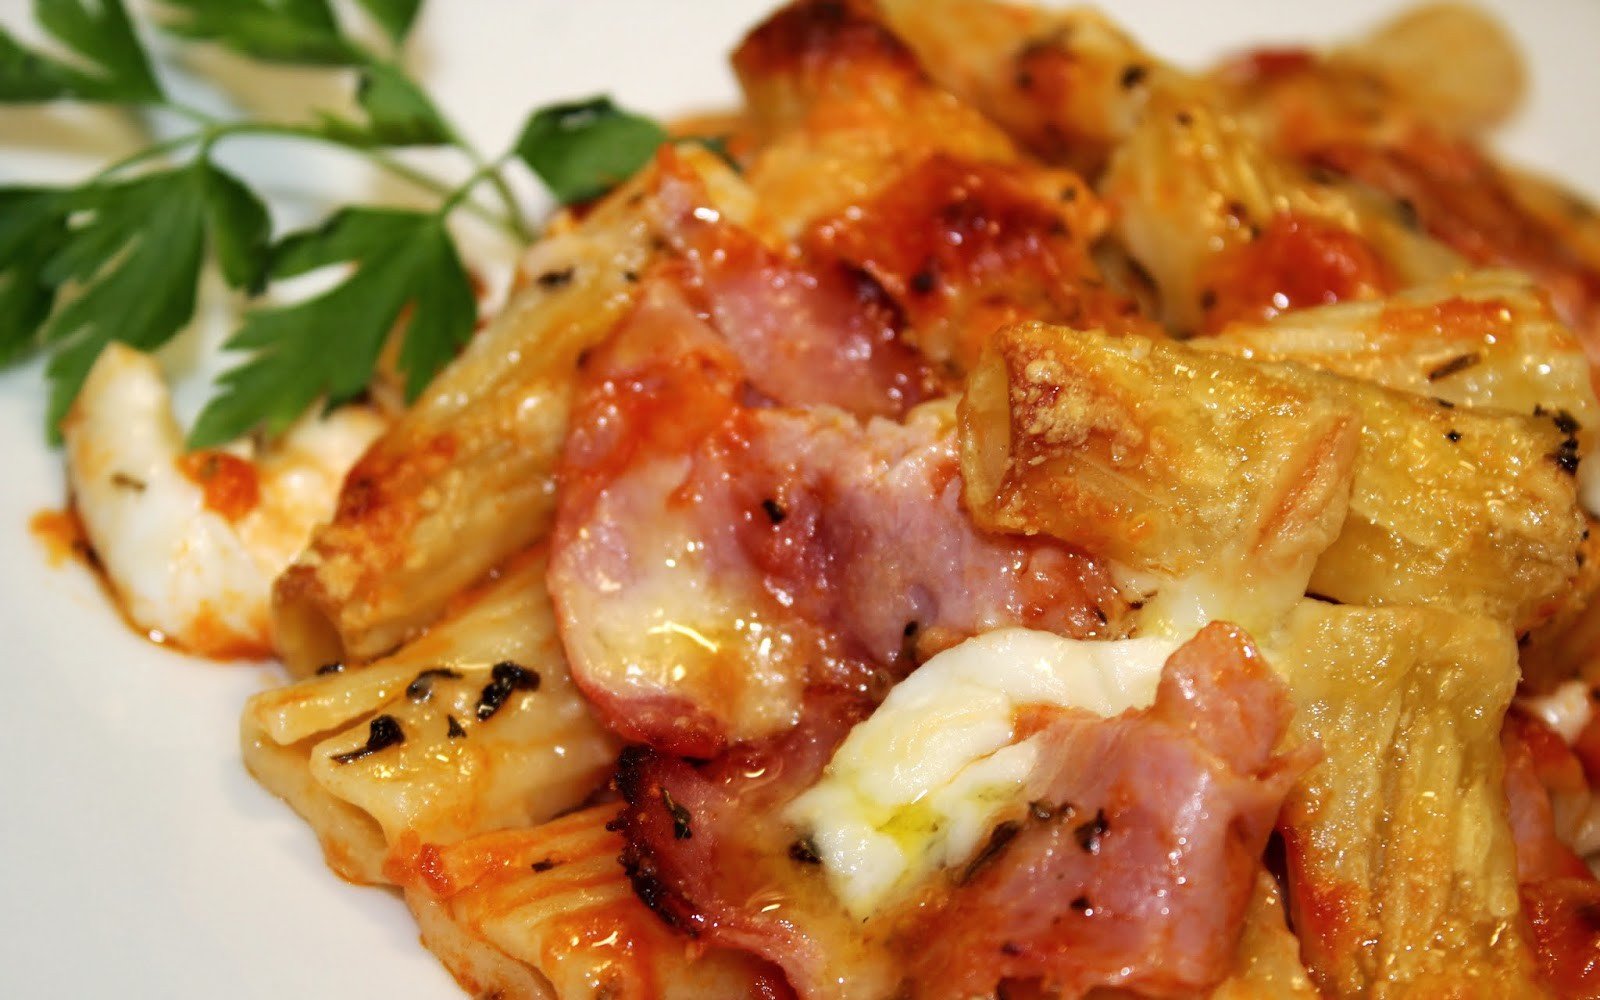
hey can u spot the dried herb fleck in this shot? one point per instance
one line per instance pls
(507, 678)
(421, 689)
(383, 732)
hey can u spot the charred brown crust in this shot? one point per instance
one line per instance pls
(656, 893)
(638, 782)
(814, 37)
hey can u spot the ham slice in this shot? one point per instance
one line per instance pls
(1560, 896)
(724, 540)
(1133, 867)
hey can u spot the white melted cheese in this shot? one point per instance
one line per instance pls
(1589, 484)
(921, 783)
(1566, 710)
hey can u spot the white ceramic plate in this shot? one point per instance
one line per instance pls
(136, 857)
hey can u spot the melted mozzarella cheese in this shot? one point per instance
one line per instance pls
(921, 783)
(181, 569)
(1566, 710)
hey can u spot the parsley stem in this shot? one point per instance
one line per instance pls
(147, 153)
(214, 129)
(497, 180)
(485, 171)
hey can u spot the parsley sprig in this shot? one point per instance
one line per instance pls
(119, 257)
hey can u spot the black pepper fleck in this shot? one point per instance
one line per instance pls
(681, 830)
(1452, 435)
(1002, 835)
(923, 281)
(421, 689)
(774, 511)
(1134, 75)
(453, 728)
(506, 678)
(805, 852)
(383, 732)
(1459, 363)
(330, 668)
(1407, 210)
(555, 279)
(1089, 834)
(544, 864)
(1565, 422)
(1081, 904)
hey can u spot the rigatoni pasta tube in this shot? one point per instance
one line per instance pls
(466, 477)
(474, 727)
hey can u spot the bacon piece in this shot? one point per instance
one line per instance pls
(712, 558)
(1560, 896)
(1539, 769)
(1565, 914)
(1142, 876)
(709, 852)
(803, 335)
(1135, 870)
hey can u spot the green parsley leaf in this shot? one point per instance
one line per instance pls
(240, 230)
(132, 251)
(98, 32)
(394, 16)
(406, 272)
(135, 248)
(33, 225)
(287, 31)
(583, 149)
(398, 112)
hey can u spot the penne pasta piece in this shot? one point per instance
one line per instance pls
(1451, 63)
(1402, 875)
(1167, 461)
(1568, 645)
(1397, 118)
(1231, 476)
(840, 107)
(466, 477)
(1467, 510)
(475, 726)
(547, 912)
(1482, 339)
(1226, 231)
(1069, 84)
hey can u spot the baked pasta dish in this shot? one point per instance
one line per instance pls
(1017, 518)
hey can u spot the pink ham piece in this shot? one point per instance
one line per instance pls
(740, 518)
(1132, 868)
(1140, 877)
